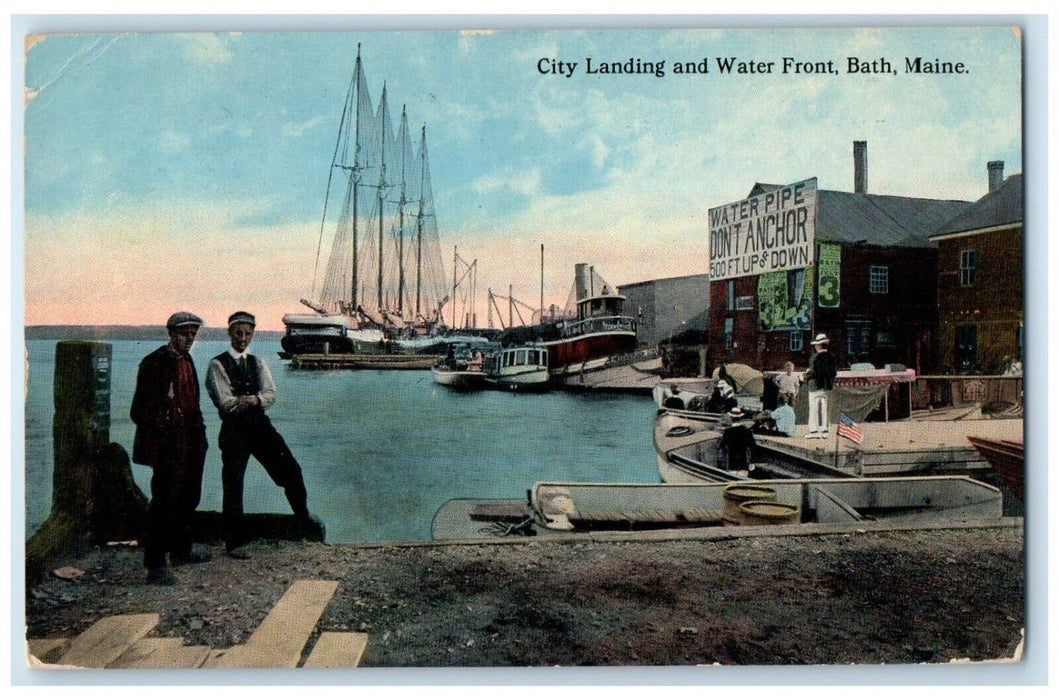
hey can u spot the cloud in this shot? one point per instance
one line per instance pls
(173, 142)
(295, 130)
(524, 182)
(208, 49)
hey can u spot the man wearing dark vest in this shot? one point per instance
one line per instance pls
(171, 439)
(241, 387)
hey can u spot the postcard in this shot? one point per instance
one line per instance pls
(688, 348)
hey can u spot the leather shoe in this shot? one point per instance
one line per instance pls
(314, 522)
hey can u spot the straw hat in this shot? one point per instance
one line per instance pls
(820, 339)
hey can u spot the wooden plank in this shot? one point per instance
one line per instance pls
(107, 639)
(215, 656)
(178, 657)
(45, 651)
(140, 653)
(337, 650)
(279, 639)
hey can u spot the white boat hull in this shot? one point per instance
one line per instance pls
(521, 378)
(458, 379)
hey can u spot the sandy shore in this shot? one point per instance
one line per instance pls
(835, 597)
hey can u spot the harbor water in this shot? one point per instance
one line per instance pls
(381, 451)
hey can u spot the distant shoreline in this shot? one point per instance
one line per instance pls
(127, 333)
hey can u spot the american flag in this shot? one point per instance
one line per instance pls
(848, 428)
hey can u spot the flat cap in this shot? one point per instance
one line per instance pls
(183, 318)
(241, 317)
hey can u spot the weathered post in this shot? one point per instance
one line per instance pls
(81, 427)
(93, 493)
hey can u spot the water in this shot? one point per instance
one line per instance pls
(381, 451)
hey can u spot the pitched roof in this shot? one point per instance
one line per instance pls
(997, 208)
(875, 219)
(882, 220)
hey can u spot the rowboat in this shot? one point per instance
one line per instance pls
(454, 378)
(1006, 459)
(554, 508)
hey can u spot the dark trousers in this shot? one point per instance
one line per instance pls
(176, 486)
(254, 435)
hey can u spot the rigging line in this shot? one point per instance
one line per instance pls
(330, 174)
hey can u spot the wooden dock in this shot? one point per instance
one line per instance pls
(363, 361)
(897, 447)
(121, 641)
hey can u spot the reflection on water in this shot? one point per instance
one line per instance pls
(381, 450)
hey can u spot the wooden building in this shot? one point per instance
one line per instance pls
(667, 308)
(980, 287)
(791, 261)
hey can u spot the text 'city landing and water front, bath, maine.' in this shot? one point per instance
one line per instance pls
(742, 65)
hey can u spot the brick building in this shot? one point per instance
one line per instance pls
(791, 261)
(980, 287)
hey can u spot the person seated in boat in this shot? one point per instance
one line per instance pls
(788, 382)
(477, 361)
(723, 397)
(779, 422)
(697, 403)
(674, 400)
(737, 443)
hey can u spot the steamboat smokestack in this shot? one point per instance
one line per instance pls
(581, 273)
(860, 167)
(996, 174)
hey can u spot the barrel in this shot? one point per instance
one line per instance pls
(739, 493)
(768, 513)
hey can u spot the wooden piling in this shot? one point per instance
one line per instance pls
(93, 492)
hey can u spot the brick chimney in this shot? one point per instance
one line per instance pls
(996, 174)
(860, 167)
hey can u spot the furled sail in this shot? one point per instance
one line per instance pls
(385, 257)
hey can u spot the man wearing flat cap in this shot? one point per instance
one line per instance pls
(241, 387)
(171, 439)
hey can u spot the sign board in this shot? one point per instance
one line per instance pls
(771, 231)
(785, 300)
(830, 269)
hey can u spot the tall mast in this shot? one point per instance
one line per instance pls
(338, 160)
(455, 258)
(382, 183)
(542, 284)
(419, 220)
(400, 211)
(358, 77)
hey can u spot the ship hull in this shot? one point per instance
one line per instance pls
(590, 346)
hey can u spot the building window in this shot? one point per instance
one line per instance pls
(731, 295)
(968, 267)
(729, 331)
(879, 279)
(796, 341)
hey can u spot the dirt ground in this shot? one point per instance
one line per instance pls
(888, 597)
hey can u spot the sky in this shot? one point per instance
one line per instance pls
(168, 171)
